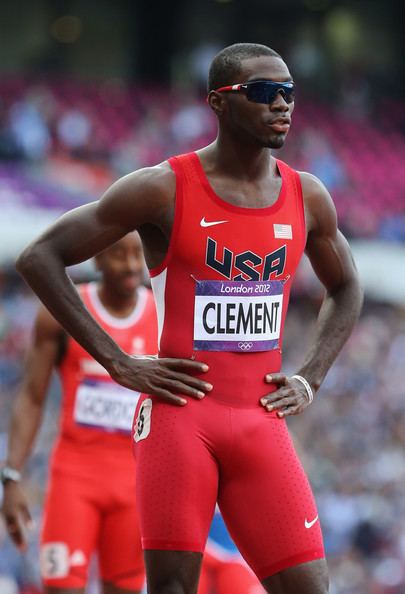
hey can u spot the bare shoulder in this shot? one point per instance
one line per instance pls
(320, 211)
(155, 183)
(146, 193)
(159, 178)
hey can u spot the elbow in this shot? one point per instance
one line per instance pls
(353, 294)
(349, 290)
(29, 260)
(23, 262)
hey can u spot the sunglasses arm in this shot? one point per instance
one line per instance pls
(230, 88)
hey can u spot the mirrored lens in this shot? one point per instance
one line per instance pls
(266, 91)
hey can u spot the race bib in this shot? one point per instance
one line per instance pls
(242, 316)
(105, 405)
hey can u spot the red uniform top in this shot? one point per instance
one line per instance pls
(97, 413)
(223, 289)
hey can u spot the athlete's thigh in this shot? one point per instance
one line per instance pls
(120, 553)
(308, 578)
(265, 497)
(69, 533)
(177, 475)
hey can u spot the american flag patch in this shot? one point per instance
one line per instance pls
(282, 231)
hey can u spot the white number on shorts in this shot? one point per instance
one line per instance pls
(142, 427)
(54, 560)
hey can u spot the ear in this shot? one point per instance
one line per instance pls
(217, 102)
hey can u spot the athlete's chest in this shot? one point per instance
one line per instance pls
(239, 248)
(216, 238)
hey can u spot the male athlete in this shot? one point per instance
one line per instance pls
(90, 503)
(223, 230)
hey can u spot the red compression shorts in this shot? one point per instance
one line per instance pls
(83, 515)
(190, 457)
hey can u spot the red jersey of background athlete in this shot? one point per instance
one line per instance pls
(223, 289)
(96, 412)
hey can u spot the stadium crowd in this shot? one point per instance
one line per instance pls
(111, 129)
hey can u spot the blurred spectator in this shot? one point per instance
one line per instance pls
(320, 159)
(73, 130)
(200, 61)
(190, 122)
(29, 127)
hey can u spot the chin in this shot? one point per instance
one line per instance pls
(275, 142)
(126, 292)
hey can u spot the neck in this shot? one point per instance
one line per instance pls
(240, 160)
(119, 306)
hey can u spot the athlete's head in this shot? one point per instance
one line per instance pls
(121, 265)
(258, 114)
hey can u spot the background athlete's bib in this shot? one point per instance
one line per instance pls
(105, 405)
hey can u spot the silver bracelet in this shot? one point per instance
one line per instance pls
(310, 392)
(9, 474)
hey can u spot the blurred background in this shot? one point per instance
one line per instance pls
(91, 90)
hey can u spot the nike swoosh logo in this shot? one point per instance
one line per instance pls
(310, 524)
(205, 223)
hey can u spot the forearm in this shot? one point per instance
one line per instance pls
(24, 425)
(337, 317)
(45, 273)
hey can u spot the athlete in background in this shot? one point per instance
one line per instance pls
(223, 230)
(90, 502)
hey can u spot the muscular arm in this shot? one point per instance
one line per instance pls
(77, 236)
(142, 199)
(26, 416)
(331, 259)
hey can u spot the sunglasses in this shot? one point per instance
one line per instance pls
(263, 91)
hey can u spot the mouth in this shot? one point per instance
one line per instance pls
(131, 281)
(281, 125)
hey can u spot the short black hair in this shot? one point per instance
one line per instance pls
(228, 62)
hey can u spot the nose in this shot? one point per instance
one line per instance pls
(131, 264)
(279, 103)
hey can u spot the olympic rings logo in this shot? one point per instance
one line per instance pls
(245, 346)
